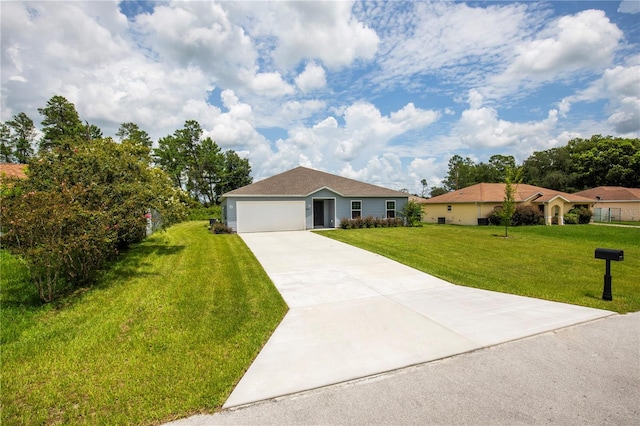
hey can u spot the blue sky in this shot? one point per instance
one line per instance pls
(384, 92)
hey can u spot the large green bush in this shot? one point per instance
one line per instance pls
(82, 202)
(526, 214)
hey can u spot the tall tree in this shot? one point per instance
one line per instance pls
(139, 140)
(23, 136)
(236, 173)
(461, 173)
(61, 122)
(6, 144)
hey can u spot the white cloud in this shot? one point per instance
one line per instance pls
(585, 41)
(620, 86)
(312, 78)
(443, 38)
(323, 31)
(629, 6)
(480, 127)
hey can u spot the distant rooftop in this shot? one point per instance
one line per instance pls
(13, 170)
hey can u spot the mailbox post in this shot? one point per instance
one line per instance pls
(608, 255)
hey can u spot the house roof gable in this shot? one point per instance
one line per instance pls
(302, 182)
(494, 193)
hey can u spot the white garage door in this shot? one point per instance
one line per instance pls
(261, 216)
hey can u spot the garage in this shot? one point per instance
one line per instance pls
(259, 216)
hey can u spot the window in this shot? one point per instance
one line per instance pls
(448, 208)
(356, 209)
(391, 209)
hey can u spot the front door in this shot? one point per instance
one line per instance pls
(318, 213)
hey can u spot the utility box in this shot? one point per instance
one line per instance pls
(609, 254)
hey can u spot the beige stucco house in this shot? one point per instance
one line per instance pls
(614, 203)
(467, 205)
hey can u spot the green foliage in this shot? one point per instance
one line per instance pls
(205, 213)
(435, 191)
(586, 163)
(168, 331)
(527, 214)
(412, 213)
(221, 228)
(16, 139)
(465, 172)
(61, 122)
(580, 216)
(199, 166)
(509, 204)
(370, 222)
(83, 201)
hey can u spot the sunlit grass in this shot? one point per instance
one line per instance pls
(546, 262)
(167, 332)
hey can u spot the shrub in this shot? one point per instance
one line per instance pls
(82, 202)
(221, 228)
(584, 215)
(370, 222)
(495, 218)
(571, 219)
(412, 213)
(527, 214)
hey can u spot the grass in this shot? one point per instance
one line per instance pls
(546, 262)
(167, 332)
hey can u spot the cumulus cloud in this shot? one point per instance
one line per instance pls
(479, 126)
(585, 41)
(620, 86)
(312, 78)
(326, 31)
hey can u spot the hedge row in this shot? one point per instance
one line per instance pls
(370, 222)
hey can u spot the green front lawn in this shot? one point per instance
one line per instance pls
(167, 332)
(546, 262)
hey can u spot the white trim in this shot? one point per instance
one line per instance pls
(386, 210)
(351, 209)
(335, 211)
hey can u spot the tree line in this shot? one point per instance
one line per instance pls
(88, 197)
(194, 164)
(579, 165)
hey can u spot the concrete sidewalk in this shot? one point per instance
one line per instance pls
(355, 314)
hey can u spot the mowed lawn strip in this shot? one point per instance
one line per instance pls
(168, 332)
(547, 262)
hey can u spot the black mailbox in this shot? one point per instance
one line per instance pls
(609, 254)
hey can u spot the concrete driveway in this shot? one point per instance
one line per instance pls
(355, 314)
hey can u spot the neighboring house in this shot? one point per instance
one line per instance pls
(13, 170)
(614, 203)
(471, 205)
(304, 198)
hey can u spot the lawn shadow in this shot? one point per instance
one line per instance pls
(134, 262)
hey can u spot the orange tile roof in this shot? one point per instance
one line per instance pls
(494, 193)
(612, 193)
(13, 170)
(303, 181)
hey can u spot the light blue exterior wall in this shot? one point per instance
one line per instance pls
(335, 207)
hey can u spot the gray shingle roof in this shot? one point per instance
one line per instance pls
(303, 181)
